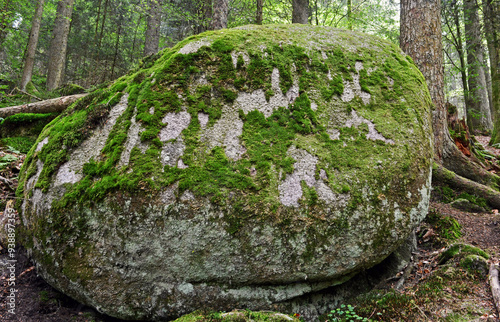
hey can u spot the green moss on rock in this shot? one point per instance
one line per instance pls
(253, 164)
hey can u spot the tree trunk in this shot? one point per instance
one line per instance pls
(57, 52)
(420, 38)
(300, 11)
(153, 27)
(48, 106)
(221, 8)
(478, 109)
(487, 76)
(258, 14)
(460, 50)
(349, 14)
(492, 24)
(117, 43)
(29, 60)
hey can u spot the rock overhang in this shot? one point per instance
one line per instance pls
(292, 145)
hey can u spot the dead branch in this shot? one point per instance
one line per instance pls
(48, 106)
(26, 93)
(7, 182)
(495, 287)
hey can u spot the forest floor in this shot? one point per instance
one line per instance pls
(432, 291)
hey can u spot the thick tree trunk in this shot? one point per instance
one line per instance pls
(221, 8)
(300, 11)
(57, 52)
(29, 60)
(478, 109)
(48, 106)
(258, 14)
(153, 27)
(492, 24)
(420, 38)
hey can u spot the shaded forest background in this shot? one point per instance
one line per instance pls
(108, 37)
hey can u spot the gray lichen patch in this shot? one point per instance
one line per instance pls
(290, 190)
(235, 55)
(133, 140)
(40, 145)
(226, 133)
(71, 171)
(372, 134)
(352, 89)
(194, 46)
(176, 123)
(256, 100)
(172, 152)
(203, 119)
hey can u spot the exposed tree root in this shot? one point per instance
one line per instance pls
(495, 287)
(454, 160)
(48, 106)
(443, 175)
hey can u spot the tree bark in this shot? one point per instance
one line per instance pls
(300, 11)
(420, 38)
(29, 60)
(349, 14)
(57, 52)
(258, 14)
(48, 106)
(153, 27)
(478, 109)
(492, 24)
(460, 50)
(221, 8)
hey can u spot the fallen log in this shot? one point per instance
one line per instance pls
(495, 287)
(58, 104)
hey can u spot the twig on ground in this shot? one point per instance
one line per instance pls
(26, 93)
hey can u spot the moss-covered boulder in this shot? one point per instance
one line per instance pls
(240, 169)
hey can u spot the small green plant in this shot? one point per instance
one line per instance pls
(481, 202)
(345, 313)
(44, 296)
(6, 160)
(447, 227)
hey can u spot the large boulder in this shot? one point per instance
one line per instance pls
(239, 169)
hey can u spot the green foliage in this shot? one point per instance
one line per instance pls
(461, 250)
(6, 160)
(27, 118)
(20, 144)
(345, 313)
(446, 227)
(480, 201)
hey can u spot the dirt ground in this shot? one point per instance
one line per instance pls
(35, 300)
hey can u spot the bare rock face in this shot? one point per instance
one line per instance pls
(242, 168)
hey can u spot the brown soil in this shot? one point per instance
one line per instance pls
(35, 300)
